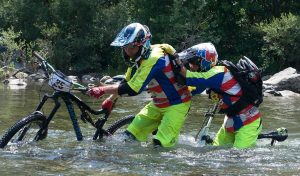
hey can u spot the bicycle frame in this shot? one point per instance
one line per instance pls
(62, 87)
(68, 98)
(203, 131)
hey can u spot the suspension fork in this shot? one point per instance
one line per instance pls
(55, 108)
(74, 120)
(42, 133)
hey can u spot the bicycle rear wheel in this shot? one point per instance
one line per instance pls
(26, 130)
(121, 125)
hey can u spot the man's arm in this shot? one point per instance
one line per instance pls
(115, 90)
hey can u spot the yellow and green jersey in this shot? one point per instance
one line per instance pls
(156, 75)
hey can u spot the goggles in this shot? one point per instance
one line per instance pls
(129, 46)
(194, 60)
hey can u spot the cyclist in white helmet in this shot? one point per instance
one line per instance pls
(149, 66)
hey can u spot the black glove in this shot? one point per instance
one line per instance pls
(176, 69)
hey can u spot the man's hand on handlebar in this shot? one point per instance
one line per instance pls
(96, 92)
(107, 104)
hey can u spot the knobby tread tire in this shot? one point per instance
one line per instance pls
(120, 123)
(36, 116)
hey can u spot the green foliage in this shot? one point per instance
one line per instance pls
(75, 35)
(281, 42)
(191, 24)
(86, 30)
(155, 14)
(15, 49)
(25, 16)
(9, 39)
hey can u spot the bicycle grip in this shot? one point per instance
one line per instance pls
(38, 56)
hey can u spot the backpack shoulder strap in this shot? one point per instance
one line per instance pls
(229, 65)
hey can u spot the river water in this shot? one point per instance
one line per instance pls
(61, 154)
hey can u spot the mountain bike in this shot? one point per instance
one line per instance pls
(34, 127)
(279, 135)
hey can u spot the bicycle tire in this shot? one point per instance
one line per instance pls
(120, 123)
(36, 117)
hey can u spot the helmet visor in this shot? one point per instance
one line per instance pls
(188, 55)
(126, 36)
(123, 38)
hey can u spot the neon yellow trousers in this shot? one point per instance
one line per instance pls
(245, 137)
(168, 121)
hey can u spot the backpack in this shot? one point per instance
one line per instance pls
(248, 75)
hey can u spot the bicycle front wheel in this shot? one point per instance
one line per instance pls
(26, 130)
(121, 125)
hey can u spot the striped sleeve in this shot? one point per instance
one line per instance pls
(209, 79)
(199, 89)
(143, 75)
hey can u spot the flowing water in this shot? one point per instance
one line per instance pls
(61, 154)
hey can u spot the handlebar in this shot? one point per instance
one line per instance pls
(63, 84)
(61, 79)
(83, 90)
(281, 134)
(38, 56)
(45, 64)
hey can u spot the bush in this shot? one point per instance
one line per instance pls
(281, 43)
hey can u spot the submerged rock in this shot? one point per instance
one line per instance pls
(14, 83)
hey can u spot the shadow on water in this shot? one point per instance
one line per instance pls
(61, 154)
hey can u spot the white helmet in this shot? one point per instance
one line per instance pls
(204, 55)
(134, 34)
